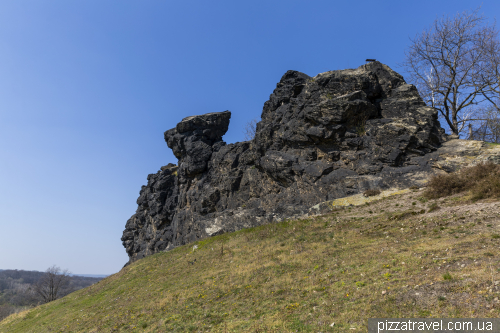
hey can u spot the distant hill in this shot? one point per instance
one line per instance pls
(100, 276)
(16, 292)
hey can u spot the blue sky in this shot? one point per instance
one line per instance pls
(87, 89)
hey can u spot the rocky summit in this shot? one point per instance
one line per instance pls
(320, 138)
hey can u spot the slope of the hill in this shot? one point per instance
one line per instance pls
(402, 256)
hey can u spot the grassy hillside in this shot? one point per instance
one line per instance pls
(402, 256)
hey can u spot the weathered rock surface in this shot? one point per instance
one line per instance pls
(320, 138)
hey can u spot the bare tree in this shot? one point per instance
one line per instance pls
(491, 75)
(488, 129)
(250, 129)
(447, 63)
(51, 283)
(6, 310)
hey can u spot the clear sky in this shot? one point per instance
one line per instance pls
(87, 89)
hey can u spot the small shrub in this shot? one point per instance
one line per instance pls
(444, 185)
(482, 180)
(370, 193)
(405, 214)
(422, 199)
(447, 276)
(495, 236)
(433, 207)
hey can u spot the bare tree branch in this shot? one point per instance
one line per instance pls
(491, 74)
(250, 129)
(486, 128)
(451, 64)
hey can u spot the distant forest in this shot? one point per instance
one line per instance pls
(17, 294)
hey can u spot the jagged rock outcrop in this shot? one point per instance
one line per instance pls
(320, 138)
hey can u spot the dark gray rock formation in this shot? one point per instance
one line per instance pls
(320, 138)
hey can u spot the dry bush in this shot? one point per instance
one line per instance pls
(482, 180)
(444, 185)
(433, 207)
(6, 310)
(370, 193)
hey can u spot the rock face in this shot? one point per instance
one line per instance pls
(321, 138)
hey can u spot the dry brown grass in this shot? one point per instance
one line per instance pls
(371, 193)
(482, 180)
